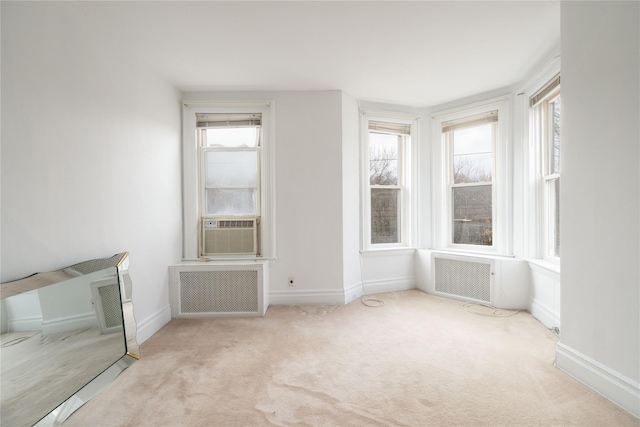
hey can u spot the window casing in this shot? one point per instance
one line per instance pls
(228, 176)
(387, 176)
(229, 157)
(470, 147)
(470, 165)
(545, 132)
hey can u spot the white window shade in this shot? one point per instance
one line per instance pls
(231, 169)
(470, 121)
(546, 90)
(214, 120)
(386, 127)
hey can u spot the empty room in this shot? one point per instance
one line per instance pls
(325, 213)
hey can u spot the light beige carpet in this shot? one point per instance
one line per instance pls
(420, 360)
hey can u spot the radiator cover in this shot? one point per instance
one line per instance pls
(464, 278)
(219, 290)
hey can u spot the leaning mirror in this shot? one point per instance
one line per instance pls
(65, 335)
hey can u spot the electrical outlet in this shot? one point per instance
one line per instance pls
(290, 282)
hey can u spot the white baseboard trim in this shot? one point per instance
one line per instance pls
(152, 324)
(33, 323)
(621, 390)
(339, 296)
(544, 314)
(352, 292)
(307, 297)
(389, 285)
(61, 325)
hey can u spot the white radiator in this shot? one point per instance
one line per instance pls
(212, 290)
(463, 277)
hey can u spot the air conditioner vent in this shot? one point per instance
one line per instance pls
(244, 223)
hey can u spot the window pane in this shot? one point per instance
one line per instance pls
(231, 169)
(553, 201)
(222, 201)
(472, 215)
(232, 137)
(385, 219)
(554, 107)
(383, 160)
(472, 154)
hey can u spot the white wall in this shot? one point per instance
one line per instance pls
(309, 186)
(90, 153)
(309, 196)
(600, 188)
(352, 272)
(545, 297)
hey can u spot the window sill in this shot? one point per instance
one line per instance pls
(226, 260)
(399, 251)
(544, 266)
(481, 254)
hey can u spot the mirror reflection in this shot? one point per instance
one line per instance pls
(60, 330)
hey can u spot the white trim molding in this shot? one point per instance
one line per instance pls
(621, 390)
(548, 317)
(190, 178)
(502, 203)
(544, 300)
(152, 324)
(408, 157)
(352, 292)
(69, 323)
(27, 323)
(387, 252)
(307, 296)
(389, 285)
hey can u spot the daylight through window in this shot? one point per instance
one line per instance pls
(546, 111)
(470, 145)
(387, 147)
(230, 182)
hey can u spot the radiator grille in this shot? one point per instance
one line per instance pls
(229, 241)
(229, 236)
(467, 279)
(215, 291)
(111, 305)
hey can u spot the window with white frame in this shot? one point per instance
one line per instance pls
(470, 166)
(545, 130)
(469, 143)
(387, 195)
(227, 176)
(229, 158)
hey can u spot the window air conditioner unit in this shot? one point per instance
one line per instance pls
(229, 236)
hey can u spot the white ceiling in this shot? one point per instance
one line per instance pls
(419, 53)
